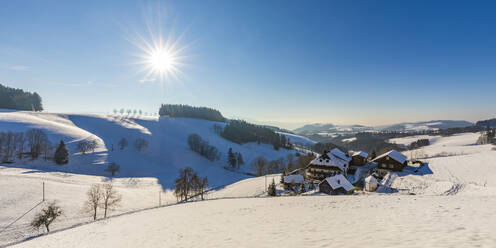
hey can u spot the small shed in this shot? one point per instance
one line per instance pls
(371, 183)
(335, 185)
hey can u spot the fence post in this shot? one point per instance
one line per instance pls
(43, 191)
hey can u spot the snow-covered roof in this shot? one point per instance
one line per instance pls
(330, 160)
(294, 179)
(339, 181)
(338, 153)
(371, 179)
(398, 156)
(361, 154)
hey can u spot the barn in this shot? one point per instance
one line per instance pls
(328, 164)
(335, 185)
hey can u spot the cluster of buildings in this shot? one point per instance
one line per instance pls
(336, 172)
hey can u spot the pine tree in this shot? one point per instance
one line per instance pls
(302, 188)
(231, 158)
(283, 174)
(373, 155)
(61, 154)
(240, 160)
(271, 191)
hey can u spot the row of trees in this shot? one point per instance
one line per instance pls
(235, 159)
(11, 98)
(100, 196)
(189, 185)
(140, 144)
(202, 147)
(419, 143)
(32, 143)
(239, 131)
(179, 110)
(134, 112)
(262, 166)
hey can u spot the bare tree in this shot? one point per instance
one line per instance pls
(259, 165)
(47, 215)
(110, 198)
(140, 144)
(36, 140)
(122, 143)
(113, 168)
(94, 200)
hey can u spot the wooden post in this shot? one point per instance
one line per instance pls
(43, 191)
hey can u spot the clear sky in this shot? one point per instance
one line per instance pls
(279, 62)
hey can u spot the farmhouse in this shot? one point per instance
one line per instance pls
(328, 164)
(359, 158)
(335, 185)
(390, 161)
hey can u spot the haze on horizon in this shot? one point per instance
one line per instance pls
(286, 63)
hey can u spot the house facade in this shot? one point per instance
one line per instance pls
(328, 164)
(359, 158)
(390, 161)
(335, 185)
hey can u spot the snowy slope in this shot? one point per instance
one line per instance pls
(298, 139)
(142, 176)
(304, 221)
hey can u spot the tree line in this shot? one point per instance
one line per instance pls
(202, 147)
(18, 99)
(261, 166)
(239, 131)
(32, 144)
(180, 110)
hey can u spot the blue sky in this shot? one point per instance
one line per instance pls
(278, 62)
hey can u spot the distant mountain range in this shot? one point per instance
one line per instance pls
(334, 130)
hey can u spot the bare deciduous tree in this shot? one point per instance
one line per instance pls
(113, 168)
(94, 200)
(110, 198)
(140, 144)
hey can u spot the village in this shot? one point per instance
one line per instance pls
(335, 172)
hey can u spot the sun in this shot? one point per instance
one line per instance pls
(162, 60)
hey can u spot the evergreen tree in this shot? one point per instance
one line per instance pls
(61, 154)
(231, 159)
(373, 155)
(271, 191)
(283, 174)
(240, 160)
(302, 188)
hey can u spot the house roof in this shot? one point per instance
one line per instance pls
(371, 179)
(361, 154)
(330, 160)
(398, 156)
(339, 181)
(294, 179)
(338, 153)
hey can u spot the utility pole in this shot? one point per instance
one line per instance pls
(43, 191)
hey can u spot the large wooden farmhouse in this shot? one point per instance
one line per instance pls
(390, 161)
(328, 164)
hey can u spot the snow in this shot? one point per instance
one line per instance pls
(338, 153)
(447, 202)
(331, 161)
(398, 156)
(361, 154)
(294, 179)
(142, 174)
(349, 139)
(298, 139)
(406, 141)
(339, 181)
(370, 179)
(380, 221)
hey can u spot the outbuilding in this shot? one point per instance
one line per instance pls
(371, 183)
(335, 185)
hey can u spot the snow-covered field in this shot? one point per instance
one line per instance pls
(142, 175)
(448, 203)
(304, 221)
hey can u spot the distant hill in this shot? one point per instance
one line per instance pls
(18, 99)
(330, 130)
(486, 123)
(426, 125)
